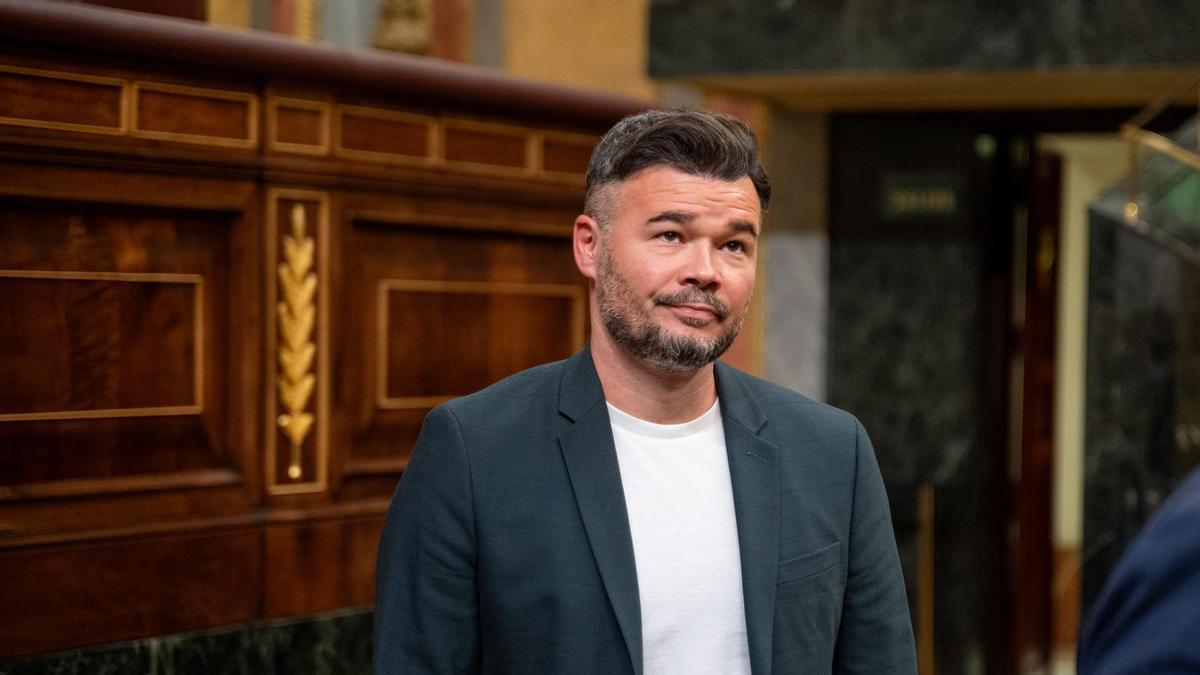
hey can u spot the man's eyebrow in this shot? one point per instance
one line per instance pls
(677, 217)
(744, 226)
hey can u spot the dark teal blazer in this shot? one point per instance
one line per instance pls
(507, 545)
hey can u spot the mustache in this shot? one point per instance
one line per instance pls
(694, 296)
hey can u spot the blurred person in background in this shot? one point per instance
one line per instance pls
(1147, 618)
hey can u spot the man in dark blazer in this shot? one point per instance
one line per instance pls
(640, 507)
(1147, 618)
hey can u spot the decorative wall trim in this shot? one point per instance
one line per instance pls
(382, 325)
(323, 110)
(249, 141)
(531, 154)
(298, 336)
(150, 482)
(116, 83)
(432, 131)
(197, 406)
(585, 142)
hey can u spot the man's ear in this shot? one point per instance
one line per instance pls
(585, 242)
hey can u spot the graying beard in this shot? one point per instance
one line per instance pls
(673, 353)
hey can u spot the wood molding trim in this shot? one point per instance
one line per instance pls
(430, 82)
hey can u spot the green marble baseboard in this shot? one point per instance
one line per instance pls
(338, 643)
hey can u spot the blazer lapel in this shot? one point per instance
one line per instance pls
(754, 474)
(591, 459)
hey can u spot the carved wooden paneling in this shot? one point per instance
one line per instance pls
(108, 324)
(298, 381)
(488, 145)
(215, 359)
(567, 153)
(48, 99)
(319, 553)
(195, 115)
(298, 125)
(379, 135)
(71, 595)
(86, 345)
(438, 340)
(438, 312)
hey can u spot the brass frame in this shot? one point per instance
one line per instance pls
(252, 122)
(319, 432)
(196, 408)
(1138, 137)
(123, 96)
(324, 108)
(384, 286)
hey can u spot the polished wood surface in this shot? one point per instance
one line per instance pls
(231, 287)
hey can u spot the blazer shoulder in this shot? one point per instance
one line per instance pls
(782, 404)
(512, 398)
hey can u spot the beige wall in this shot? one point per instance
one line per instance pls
(235, 13)
(1091, 162)
(585, 43)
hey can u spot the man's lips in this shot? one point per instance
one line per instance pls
(695, 311)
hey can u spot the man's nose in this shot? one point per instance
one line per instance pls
(700, 267)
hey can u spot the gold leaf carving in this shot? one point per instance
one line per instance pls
(296, 363)
(299, 256)
(296, 427)
(296, 324)
(297, 294)
(297, 314)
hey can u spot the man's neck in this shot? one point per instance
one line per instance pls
(647, 392)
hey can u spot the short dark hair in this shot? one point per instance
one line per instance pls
(698, 142)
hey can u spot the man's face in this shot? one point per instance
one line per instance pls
(675, 267)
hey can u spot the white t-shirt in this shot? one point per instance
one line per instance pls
(685, 544)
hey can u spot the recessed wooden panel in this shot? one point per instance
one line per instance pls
(113, 325)
(81, 345)
(54, 100)
(298, 125)
(195, 115)
(446, 339)
(567, 154)
(59, 597)
(377, 134)
(431, 312)
(486, 144)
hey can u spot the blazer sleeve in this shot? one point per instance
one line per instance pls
(875, 635)
(426, 597)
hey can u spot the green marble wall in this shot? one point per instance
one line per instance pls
(777, 36)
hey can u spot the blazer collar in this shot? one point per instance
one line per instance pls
(591, 459)
(579, 389)
(754, 477)
(737, 401)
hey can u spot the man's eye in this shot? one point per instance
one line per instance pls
(735, 246)
(669, 236)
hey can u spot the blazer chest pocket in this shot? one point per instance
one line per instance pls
(809, 564)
